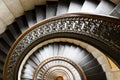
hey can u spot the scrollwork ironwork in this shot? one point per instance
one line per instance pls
(97, 28)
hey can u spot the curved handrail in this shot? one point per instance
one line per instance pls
(87, 19)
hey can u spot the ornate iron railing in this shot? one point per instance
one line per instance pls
(99, 31)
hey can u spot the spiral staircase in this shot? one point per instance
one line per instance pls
(59, 39)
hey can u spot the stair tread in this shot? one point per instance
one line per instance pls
(75, 6)
(116, 11)
(104, 7)
(83, 54)
(99, 76)
(51, 8)
(21, 23)
(6, 38)
(62, 7)
(40, 12)
(30, 17)
(85, 59)
(89, 6)
(2, 57)
(13, 31)
(94, 70)
(10, 35)
(90, 64)
(16, 28)
(4, 46)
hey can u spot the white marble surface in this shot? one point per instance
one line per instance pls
(28, 4)
(2, 26)
(5, 15)
(15, 7)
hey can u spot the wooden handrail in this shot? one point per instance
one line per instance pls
(104, 20)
